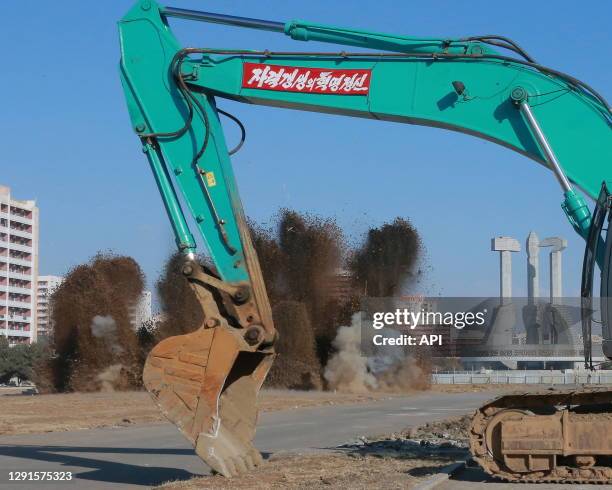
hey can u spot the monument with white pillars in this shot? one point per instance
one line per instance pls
(557, 245)
(505, 246)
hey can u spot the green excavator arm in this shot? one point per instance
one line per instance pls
(207, 381)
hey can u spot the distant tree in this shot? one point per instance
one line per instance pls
(4, 360)
(19, 361)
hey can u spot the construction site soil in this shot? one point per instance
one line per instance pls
(24, 414)
(396, 461)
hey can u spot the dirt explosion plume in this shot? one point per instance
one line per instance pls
(347, 370)
(353, 371)
(383, 267)
(385, 263)
(181, 309)
(299, 259)
(296, 366)
(302, 258)
(95, 344)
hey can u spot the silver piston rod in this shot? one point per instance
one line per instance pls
(545, 146)
(574, 205)
(233, 20)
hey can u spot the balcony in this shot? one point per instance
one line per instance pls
(11, 317)
(18, 261)
(19, 290)
(21, 233)
(20, 247)
(19, 304)
(18, 333)
(20, 275)
(20, 219)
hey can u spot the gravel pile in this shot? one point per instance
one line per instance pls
(444, 439)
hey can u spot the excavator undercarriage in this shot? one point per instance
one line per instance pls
(556, 436)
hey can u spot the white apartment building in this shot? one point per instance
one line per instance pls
(18, 268)
(46, 287)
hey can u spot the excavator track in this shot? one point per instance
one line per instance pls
(560, 436)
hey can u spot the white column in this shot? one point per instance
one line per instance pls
(557, 245)
(533, 266)
(505, 245)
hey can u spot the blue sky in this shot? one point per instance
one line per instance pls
(66, 139)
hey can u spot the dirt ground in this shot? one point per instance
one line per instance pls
(22, 414)
(397, 461)
(318, 471)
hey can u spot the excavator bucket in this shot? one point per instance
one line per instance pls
(206, 383)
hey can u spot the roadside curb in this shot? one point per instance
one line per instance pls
(443, 475)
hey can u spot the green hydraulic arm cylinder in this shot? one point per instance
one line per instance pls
(458, 84)
(207, 183)
(300, 30)
(308, 31)
(184, 238)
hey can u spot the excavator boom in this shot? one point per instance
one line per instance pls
(207, 381)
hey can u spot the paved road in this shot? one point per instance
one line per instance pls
(147, 455)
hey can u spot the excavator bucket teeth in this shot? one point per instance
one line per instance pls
(206, 383)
